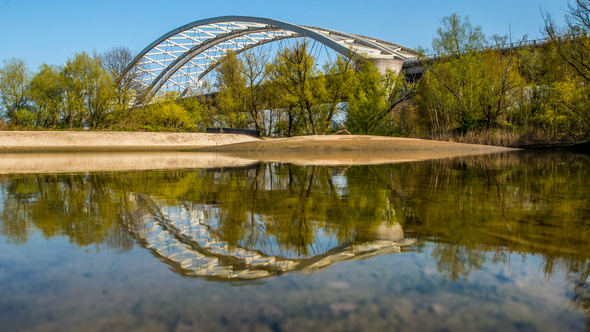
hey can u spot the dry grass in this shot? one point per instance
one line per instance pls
(505, 138)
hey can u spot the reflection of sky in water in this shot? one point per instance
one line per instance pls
(50, 285)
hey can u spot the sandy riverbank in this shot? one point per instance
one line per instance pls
(49, 152)
(354, 143)
(87, 141)
(76, 141)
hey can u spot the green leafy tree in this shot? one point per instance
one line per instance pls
(47, 96)
(231, 99)
(101, 95)
(127, 91)
(467, 88)
(373, 97)
(569, 109)
(457, 37)
(15, 78)
(169, 113)
(339, 79)
(256, 92)
(295, 73)
(88, 91)
(74, 80)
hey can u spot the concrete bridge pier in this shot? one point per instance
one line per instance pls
(382, 64)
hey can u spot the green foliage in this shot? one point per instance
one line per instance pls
(372, 99)
(456, 37)
(566, 107)
(302, 84)
(256, 94)
(47, 96)
(367, 100)
(231, 99)
(469, 89)
(168, 113)
(15, 78)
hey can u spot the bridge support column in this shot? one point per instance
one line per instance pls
(382, 64)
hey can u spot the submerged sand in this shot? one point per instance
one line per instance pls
(68, 162)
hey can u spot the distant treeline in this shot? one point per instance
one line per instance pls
(474, 90)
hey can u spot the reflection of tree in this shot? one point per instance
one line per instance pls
(527, 203)
(284, 204)
(79, 207)
(578, 288)
(455, 260)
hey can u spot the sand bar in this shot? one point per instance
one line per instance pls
(75, 141)
(353, 143)
(122, 151)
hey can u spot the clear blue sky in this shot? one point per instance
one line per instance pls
(52, 30)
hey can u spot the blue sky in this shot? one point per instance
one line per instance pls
(52, 30)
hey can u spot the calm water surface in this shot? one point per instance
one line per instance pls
(490, 243)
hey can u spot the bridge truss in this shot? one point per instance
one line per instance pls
(179, 59)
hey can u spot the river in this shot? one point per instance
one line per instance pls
(497, 242)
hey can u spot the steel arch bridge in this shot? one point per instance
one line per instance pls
(179, 59)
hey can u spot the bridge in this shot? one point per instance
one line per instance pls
(181, 237)
(415, 67)
(179, 59)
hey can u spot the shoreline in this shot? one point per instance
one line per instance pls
(364, 143)
(101, 141)
(111, 141)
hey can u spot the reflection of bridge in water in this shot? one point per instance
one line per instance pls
(181, 237)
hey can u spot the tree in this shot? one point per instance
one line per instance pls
(295, 73)
(256, 75)
(88, 91)
(467, 88)
(457, 37)
(231, 98)
(339, 78)
(367, 100)
(47, 96)
(168, 112)
(572, 43)
(127, 89)
(373, 97)
(15, 78)
(73, 77)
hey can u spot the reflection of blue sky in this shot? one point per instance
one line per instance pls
(49, 283)
(340, 181)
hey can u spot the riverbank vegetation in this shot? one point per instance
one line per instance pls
(476, 89)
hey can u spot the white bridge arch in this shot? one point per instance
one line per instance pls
(180, 58)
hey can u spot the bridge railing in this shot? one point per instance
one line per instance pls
(506, 46)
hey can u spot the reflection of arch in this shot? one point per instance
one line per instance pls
(181, 239)
(184, 55)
